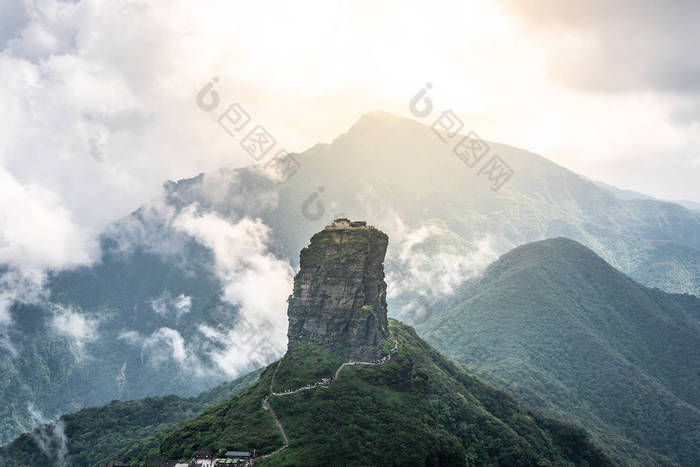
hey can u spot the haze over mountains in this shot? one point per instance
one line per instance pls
(169, 295)
(630, 194)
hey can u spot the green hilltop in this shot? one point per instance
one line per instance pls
(408, 407)
(564, 332)
(416, 409)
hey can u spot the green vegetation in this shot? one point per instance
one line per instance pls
(416, 409)
(144, 256)
(240, 423)
(306, 363)
(129, 431)
(576, 342)
(567, 334)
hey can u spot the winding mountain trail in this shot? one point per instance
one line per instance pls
(285, 440)
(325, 383)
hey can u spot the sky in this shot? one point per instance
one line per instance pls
(99, 97)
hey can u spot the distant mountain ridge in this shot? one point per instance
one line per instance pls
(630, 194)
(562, 330)
(445, 220)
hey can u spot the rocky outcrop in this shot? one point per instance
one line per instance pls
(339, 297)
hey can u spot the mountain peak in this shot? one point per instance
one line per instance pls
(339, 297)
(545, 311)
(556, 255)
(380, 121)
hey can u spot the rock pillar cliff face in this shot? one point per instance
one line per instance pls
(339, 297)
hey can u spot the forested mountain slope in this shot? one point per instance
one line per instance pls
(563, 331)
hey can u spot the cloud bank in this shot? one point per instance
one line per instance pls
(254, 280)
(99, 97)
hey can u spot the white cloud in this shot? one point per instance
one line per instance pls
(97, 113)
(99, 101)
(182, 304)
(164, 304)
(149, 229)
(159, 304)
(68, 322)
(254, 280)
(428, 263)
(50, 438)
(25, 286)
(433, 261)
(165, 344)
(132, 337)
(428, 259)
(36, 230)
(16, 287)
